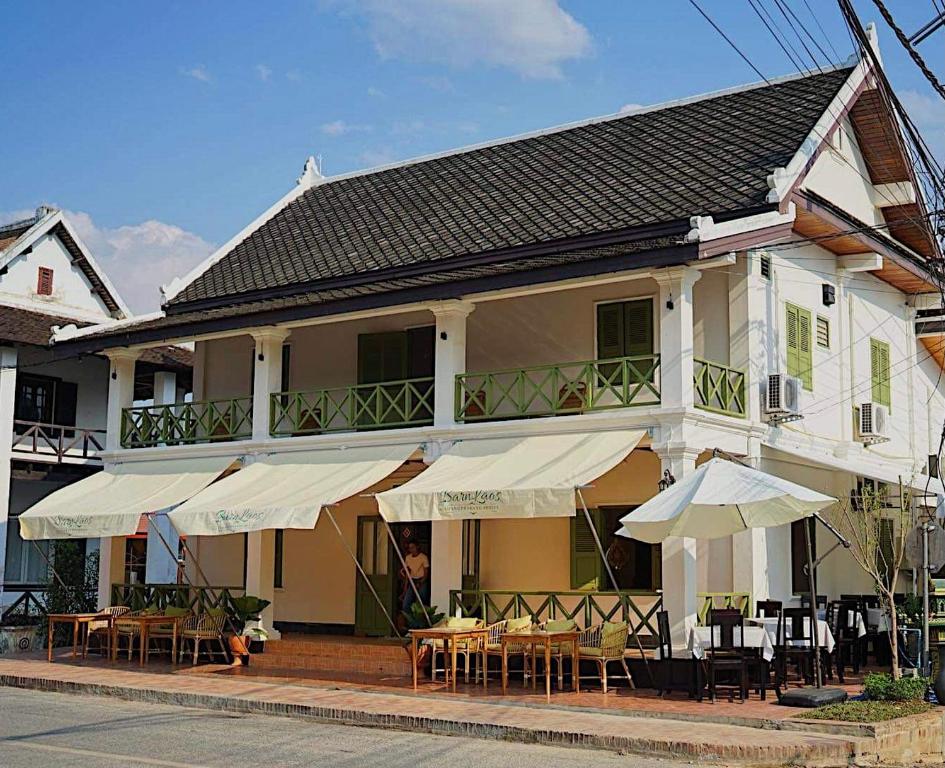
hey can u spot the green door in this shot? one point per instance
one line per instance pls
(374, 557)
(381, 357)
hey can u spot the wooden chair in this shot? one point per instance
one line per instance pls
(102, 628)
(128, 629)
(794, 645)
(769, 609)
(603, 644)
(727, 650)
(845, 629)
(494, 643)
(667, 655)
(164, 633)
(559, 650)
(464, 648)
(821, 601)
(204, 627)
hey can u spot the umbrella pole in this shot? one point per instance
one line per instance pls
(403, 564)
(613, 581)
(363, 574)
(814, 633)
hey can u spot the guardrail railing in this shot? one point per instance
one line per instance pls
(183, 423)
(57, 440)
(719, 388)
(386, 405)
(709, 600)
(196, 599)
(558, 390)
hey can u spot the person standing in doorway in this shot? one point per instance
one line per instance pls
(418, 567)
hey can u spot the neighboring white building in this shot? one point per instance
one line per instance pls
(52, 407)
(650, 270)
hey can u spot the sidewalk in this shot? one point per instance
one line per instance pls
(439, 714)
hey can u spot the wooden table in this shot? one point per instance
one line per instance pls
(146, 621)
(537, 637)
(450, 637)
(77, 620)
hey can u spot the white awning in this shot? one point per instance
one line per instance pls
(286, 490)
(111, 502)
(508, 477)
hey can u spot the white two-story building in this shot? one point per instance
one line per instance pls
(746, 270)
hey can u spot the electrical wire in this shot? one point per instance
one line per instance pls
(913, 53)
(728, 40)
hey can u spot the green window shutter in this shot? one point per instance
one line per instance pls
(610, 331)
(638, 327)
(585, 559)
(879, 372)
(793, 362)
(382, 357)
(799, 346)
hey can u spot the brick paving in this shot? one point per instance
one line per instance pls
(635, 722)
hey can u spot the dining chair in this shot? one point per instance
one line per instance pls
(769, 609)
(494, 644)
(204, 627)
(465, 648)
(559, 650)
(845, 629)
(101, 628)
(605, 644)
(727, 650)
(668, 656)
(794, 645)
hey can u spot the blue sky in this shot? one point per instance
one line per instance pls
(164, 128)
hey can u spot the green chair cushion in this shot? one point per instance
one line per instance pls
(465, 622)
(591, 651)
(519, 625)
(216, 612)
(172, 610)
(560, 625)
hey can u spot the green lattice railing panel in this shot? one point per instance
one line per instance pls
(161, 596)
(181, 423)
(637, 607)
(557, 390)
(719, 388)
(709, 600)
(390, 404)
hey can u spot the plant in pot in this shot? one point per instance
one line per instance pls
(248, 609)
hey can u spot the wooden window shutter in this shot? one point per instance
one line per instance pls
(885, 552)
(610, 331)
(879, 372)
(799, 345)
(585, 559)
(64, 407)
(382, 357)
(44, 281)
(638, 327)
(793, 359)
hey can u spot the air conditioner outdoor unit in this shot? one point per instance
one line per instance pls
(873, 423)
(783, 398)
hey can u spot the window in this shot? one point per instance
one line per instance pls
(823, 332)
(635, 564)
(46, 400)
(799, 357)
(625, 329)
(286, 363)
(800, 584)
(765, 262)
(24, 565)
(44, 281)
(278, 558)
(879, 372)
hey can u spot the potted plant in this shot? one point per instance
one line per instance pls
(248, 609)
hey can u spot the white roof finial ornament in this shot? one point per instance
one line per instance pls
(311, 172)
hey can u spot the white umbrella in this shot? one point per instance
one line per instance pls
(718, 499)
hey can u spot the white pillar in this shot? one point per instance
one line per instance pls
(676, 336)
(446, 561)
(679, 555)
(8, 357)
(267, 376)
(121, 393)
(750, 550)
(165, 388)
(161, 565)
(747, 321)
(450, 357)
(260, 573)
(109, 561)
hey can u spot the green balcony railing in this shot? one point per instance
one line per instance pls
(710, 600)
(406, 403)
(557, 390)
(182, 423)
(637, 607)
(161, 596)
(719, 388)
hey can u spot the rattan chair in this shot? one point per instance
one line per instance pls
(129, 630)
(603, 644)
(464, 648)
(200, 628)
(101, 628)
(164, 633)
(559, 650)
(494, 643)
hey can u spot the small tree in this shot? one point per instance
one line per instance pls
(77, 592)
(876, 527)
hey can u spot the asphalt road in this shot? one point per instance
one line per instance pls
(61, 730)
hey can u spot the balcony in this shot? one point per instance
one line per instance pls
(558, 390)
(387, 405)
(185, 423)
(718, 388)
(55, 442)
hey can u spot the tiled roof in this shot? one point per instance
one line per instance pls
(709, 156)
(21, 326)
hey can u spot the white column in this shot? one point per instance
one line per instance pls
(260, 573)
(165, 388)
(446, 561)
(161, 565)
(110, 567)
(267, 376)
(676, 336)
(747, 321)
(450, 357)
(750, 550)
(679, 555)
(121, 393)
(7, 398)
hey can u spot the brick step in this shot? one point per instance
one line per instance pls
(324, 649)
(377, 665)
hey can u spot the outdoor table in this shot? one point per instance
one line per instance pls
(545, 638)
(77, 620)
(825, 638)
(450, 637)
(860, 622)
(145, 621)
(756, 638)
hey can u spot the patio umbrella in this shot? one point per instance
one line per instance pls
(718, 499)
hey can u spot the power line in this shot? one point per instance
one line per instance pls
(904, 40)
(784, 12)
(729, 41)
(837, 56)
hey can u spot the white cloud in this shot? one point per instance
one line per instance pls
(928, 113)
(198, 72)
(627, 108)
(139, 258)
(531, 37)
(340, 128)
(263, 72)
(376, 93)
(371, 158)
(293, 75)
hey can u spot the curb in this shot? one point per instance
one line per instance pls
(831, 751)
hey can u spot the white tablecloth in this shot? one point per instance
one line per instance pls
(860, 624)
(825, 637)
(876, 617)
(755, 637)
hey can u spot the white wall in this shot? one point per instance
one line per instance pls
(90, 373)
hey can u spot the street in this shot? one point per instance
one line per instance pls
(62, 730)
